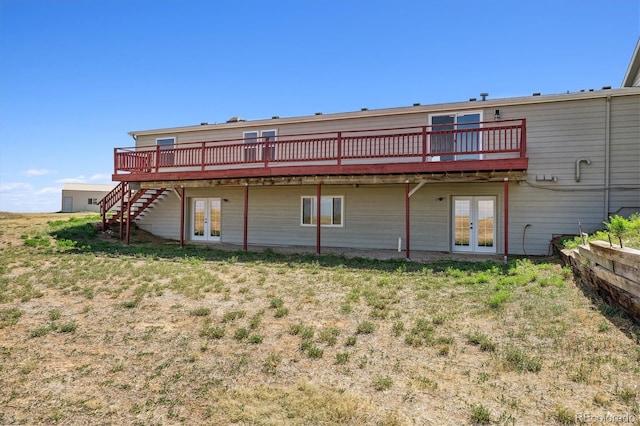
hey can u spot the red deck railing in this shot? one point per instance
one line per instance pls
(496, 141)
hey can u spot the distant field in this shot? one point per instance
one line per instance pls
(95, 332)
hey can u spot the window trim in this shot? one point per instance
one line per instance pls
(166, 146)
(314, 209)
(259, 135)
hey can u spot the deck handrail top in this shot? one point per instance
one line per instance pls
(407, 130)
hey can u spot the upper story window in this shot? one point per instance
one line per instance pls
(453, 136)
(166, 158)
(256, 148)
(166, 143)
(331, 211)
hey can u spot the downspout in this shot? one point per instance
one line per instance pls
(607, 157)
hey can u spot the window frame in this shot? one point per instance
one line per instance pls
(255, 148)
(165, 145)
(455, 124)
(314, 210)
(167, 159)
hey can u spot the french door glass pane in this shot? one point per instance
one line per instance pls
(462, 222)
(214, 222)
(198, 217)
(485, 223)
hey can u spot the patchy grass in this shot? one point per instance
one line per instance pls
(92, 331)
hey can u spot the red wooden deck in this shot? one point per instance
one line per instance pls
(489, 146)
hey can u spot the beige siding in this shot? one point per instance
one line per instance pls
(80, 200)
(164, 218)
(625, 155)
(558, 133)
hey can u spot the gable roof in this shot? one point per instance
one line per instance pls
(633, 71)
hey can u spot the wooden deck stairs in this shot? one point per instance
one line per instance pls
(113, 210)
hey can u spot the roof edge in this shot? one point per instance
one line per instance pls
(633, 68)
(498, 102)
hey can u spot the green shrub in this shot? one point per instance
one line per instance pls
(382, 383)
(480, 415)
(618, 226)
(200, 312)
(365, 327)
(213, 332)
(9, 316)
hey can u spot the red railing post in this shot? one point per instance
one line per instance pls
(203, 157)
(523, 138)
(115, 161)
(424, 144)
(339, 153)
(157, 158)
(266, 151)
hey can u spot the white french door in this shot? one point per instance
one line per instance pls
(205, 219)
(474, 224)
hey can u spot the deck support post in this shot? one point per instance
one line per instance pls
(182, 212)
(121, 230)
(318, 215)
(128, 214)
(407, 207)
(506, 219)
(246, 217)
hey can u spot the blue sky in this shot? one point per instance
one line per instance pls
(77, 75)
